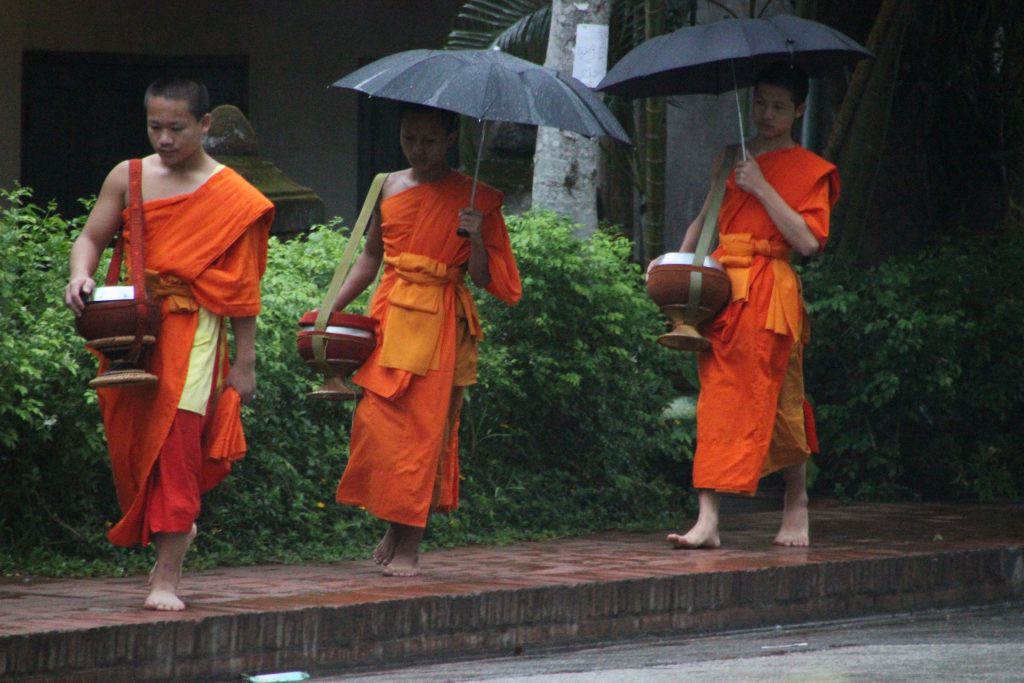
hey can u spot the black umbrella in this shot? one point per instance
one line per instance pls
(727, 55)
(488, 85)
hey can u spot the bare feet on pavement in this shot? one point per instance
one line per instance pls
(703, 534)
(166, 573)
(696, 538)
(405, 558)
(403, 567)
(795, 529)
(385, 550)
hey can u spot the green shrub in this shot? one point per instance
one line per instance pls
(278, 502)
(914, 368)
(916, 371)
(53, 471)
(563, 434)
(565, 430)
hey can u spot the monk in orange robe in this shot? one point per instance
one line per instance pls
(752, 416)
(205, 244)
(403, 454)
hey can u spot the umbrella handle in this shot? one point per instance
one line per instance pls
(476, 172)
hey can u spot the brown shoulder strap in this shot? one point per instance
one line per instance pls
(136, 220)
(138, 223)
(708, 234)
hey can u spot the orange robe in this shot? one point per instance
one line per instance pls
(212, 246)
(743, 412)
(403, 453)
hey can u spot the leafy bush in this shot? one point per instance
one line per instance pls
(53, 470)
(565, 430)
(913, 366)
(916, 370)
(563, 434)
(278, 502)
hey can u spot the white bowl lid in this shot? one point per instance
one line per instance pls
(113, 293)
(682, 258)
(338, 329)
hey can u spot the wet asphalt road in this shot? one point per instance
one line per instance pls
(969, 645)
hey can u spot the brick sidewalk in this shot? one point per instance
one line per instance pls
(474, 600)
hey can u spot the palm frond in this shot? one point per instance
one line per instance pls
(528, 37)
(519, 27)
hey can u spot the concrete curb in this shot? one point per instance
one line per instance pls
(503, 621)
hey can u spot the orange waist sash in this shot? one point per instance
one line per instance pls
(738, 252)
(416, 312)
(174, 289)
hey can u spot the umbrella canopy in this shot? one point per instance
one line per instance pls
(488, 85)
(728, 54)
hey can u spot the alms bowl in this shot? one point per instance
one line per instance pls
(349, 337)
(113, 312)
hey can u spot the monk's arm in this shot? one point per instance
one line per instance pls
(242, 375)
(100, 227)
(692, 235)
(471, 221)
(790, 223)
(364, 270)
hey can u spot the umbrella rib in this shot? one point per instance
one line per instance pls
(531, 101)
(579, 103)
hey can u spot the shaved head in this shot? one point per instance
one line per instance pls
(185, 89)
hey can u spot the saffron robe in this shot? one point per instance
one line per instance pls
(209, 247)
(403, 452)
(743, 412)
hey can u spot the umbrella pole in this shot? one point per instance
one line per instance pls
(476, 171)
(739, 111)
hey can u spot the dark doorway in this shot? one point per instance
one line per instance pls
(378, 149)
(82, 114)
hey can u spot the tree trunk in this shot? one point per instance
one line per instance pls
(654, 148)
(565, 165)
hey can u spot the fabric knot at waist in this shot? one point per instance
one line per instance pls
(416, 313)
(174, 289)
(737, 254)
(740, 249)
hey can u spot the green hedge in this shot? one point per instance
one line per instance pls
(916, 370)
(563, 434)
(565, 430)
(53, 467)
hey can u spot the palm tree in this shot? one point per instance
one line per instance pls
(565, 166)
(930, 135)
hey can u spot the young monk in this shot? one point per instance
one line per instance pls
(752, 417)
(403, 454)
(205, 245)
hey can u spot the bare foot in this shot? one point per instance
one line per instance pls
(166, 574)
(401, 567)
(795, 530)
(695, 538)
(191, 537)
(703, 534)
(405, 558)
(385, 550)
(164, 600)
